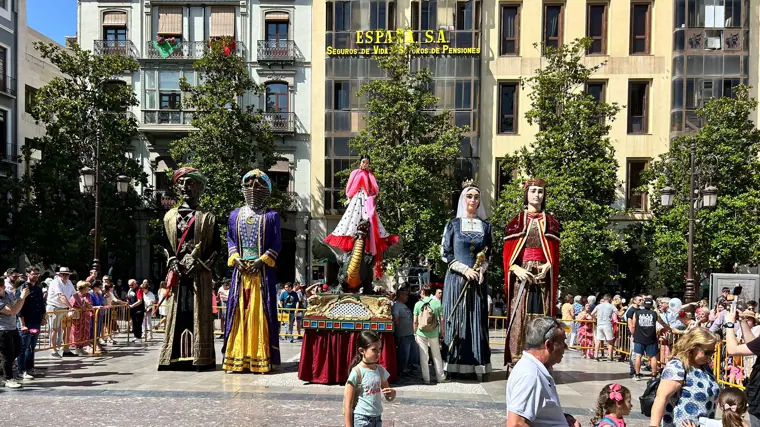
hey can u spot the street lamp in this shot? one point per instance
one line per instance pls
(87, 179)
(709, 200)
(122, 184)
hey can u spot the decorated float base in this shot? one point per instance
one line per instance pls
(332, 325)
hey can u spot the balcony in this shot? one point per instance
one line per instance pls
(281, 123)
(116, 47)
(276, 51)
(8, 85)
(167, 117)
(186, 50)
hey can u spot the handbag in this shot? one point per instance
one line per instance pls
(647, 399)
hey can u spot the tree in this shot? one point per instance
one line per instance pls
(573, 153)
(85, 106)
(727, 148)
(230, 139)
(413, 152)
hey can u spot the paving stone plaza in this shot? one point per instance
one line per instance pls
(122, 387)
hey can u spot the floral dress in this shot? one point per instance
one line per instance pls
(696, 398)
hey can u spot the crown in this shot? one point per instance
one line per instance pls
(535, 182)
(469, 183)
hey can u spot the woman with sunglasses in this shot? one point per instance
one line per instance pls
(688, 389)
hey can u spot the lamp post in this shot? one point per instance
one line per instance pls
(307, 226)
(90, 184)
(709, 199)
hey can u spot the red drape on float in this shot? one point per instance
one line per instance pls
(326, 356)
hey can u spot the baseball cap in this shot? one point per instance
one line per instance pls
(648, 302)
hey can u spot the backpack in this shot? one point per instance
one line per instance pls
(606, 420)
(647, 399)
(356, 387)
(427, 320)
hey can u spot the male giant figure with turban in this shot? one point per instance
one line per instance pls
(192, 243)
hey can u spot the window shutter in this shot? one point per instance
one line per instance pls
(115, 19)
(222, 22)
(170, 20)
(277, 16)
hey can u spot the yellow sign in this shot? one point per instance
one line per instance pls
(375, 42)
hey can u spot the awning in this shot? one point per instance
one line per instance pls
(222, 21)
(115, 19)
(170, 20)
(277, 16)
(282, 165)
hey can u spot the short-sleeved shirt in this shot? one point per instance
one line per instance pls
(532, 394)
(7, 322)
(604, 314)
(289, 299)
(435, 305)
(630, 312)
(57, 287)
(370, 400)
(697, 396)
(645, 332)
(405, 326)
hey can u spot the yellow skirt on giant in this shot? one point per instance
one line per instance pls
(248, 342)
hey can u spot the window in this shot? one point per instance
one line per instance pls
(30, 98)
(9, 149)
(640, 28)
(382, 15)
(277, 97)
(463, 95)
(464, 15)
(3, 66)
(222, 21)
(638, 108)
(636, 200)
(115, 33)
(596, 28)
(277, 26)
(424, 15)
(553, 25)
(341, 95)
(342, 16)
(169, 21)
(510, 30)
(4, 4)
(115, 28)
(597, 91)
(504, 177)
(508, 107)
(162, 93)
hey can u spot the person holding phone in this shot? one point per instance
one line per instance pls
(31, 319)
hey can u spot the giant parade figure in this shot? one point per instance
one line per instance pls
(465, 245)
(251, 332)
(334, 322)
(360, 233)
(531, 264)
(192, 244)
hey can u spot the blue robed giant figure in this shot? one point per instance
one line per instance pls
(251, 333)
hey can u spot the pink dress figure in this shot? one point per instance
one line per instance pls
(361, 191)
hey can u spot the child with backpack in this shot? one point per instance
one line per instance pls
(428, 333)
(613, 404)
(367, 384)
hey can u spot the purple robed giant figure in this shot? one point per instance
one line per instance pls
(251, 333)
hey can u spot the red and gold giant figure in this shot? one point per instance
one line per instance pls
(531, 259)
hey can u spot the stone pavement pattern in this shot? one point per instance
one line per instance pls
(122, 387)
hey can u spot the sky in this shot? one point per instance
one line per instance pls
(53, 18)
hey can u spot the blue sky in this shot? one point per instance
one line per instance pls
(53, 18)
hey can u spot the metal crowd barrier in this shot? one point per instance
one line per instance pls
(61, 330)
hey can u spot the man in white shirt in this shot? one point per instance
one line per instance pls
(532, 398)
(604, 331)
(59, 294)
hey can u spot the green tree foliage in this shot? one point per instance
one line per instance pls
(413, 150)
(230, 139)
(573, 153)
(727, 148)
(84, 106)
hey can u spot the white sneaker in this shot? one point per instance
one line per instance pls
(27, 376)
(56, 355)
(81, 352)
(12, 383)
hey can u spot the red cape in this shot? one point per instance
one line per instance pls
(514, 240)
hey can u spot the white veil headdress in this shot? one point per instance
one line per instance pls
(462, 206)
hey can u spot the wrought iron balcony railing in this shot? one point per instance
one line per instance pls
(167, 117)
(116, 47)
(281, 123)
(184, 50)
(280, 51)
(8, 85)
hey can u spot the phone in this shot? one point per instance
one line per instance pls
(736, 291)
